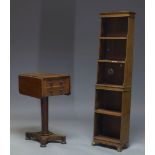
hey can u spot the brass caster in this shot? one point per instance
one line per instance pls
(126, 146)
(27, 138)
(64, 142)
(119, 149)
(93, 143)
(42, 145)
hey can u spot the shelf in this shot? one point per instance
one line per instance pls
(112, 37)
(105, 138)
(111, 61)
(108, 112)
(112, 87)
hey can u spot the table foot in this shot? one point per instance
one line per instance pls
(45, 138)
(64, 141)
(93, 143)
(42, 145)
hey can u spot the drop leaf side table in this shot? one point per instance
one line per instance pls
(40, 85)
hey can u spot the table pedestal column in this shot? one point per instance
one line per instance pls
(45, 136)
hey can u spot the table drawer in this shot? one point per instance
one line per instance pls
(57, 87)
(56, 91)
(56, 83)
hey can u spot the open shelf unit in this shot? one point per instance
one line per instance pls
(113, 86)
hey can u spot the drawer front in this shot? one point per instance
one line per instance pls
(57, 87)
(55, 83)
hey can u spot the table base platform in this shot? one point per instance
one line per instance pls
(45, 138)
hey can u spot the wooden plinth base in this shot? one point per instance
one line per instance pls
(111, 145)
(45, 138)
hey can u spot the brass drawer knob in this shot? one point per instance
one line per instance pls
(110, 71)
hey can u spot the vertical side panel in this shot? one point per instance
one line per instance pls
(95, 125)
(125, 120)
(129, 53)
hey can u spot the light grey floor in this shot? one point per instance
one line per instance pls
(78, 132)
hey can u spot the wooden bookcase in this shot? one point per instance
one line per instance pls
(113, 88)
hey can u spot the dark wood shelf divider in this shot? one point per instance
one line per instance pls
(111, 61)
(107, 112)
(108, 139)
(112, 37)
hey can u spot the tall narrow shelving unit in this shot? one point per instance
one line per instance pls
(113, 88)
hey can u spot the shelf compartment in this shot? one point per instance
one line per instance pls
(108, 126)
(108, 112)
(112, 50)
(108, 139)
(110, 73)
(109, 102)
(114, 26)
